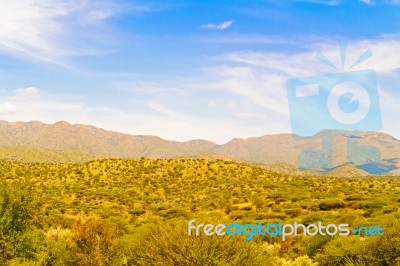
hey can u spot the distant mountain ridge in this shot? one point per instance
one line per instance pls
(307, 152)
(64, 136)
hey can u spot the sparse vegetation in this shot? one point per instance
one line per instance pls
(135, 212)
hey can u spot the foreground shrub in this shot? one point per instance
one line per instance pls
(89, 242)
(385, 250)
(169, 244)
(18, 214)
(355, 250)
(342, 251)
(96, 243)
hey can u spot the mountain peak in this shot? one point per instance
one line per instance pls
(62, 123)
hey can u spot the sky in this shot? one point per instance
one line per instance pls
(185, 70)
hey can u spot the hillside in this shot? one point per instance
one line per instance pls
(136, 212)
(288, 169)
(124, 186)
(394, 172)
(360, 148)
(347, 170)
(43, 155)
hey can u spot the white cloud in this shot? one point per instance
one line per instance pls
(19, 97)
(384, 2)
(259, 86)
(337, 2)
(250, 88)
(304, 63)
(261, 77)
(244, 95)
(321, 2)
(31, 100)
(52, 30)
(165, 122)
(368, 2)
(8, 108)
(245, 39)
(250, 115)
(223, 26)
(30, 93)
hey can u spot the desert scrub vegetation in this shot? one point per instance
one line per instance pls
(135, 212)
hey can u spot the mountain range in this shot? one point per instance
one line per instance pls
(328, 150)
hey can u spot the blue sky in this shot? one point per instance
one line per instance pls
(185, 69)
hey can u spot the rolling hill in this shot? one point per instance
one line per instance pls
(120, 211)
(347, 170)
(43, 155)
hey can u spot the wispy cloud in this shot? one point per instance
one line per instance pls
(223, 26)
(166, 122)
(50, 30)
(384, 2)
(338, 2)
(261, 77)
(248, 89)
(321, 2)
(242, 95)
(368, 2)
(246, 39)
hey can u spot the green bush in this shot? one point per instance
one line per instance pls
(169, 244)
(18, 215)
(174, 213)
(293, 212)
(327, 205)
(342, 251)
